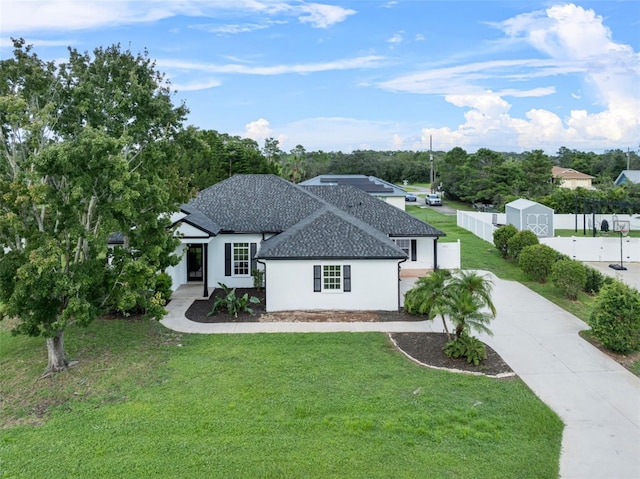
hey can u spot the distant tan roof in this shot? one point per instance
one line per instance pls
(568, 173)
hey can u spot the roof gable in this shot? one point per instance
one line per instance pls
(633, 176)
(330, 233)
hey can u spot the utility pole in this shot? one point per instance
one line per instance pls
(627, 158)
(431, 177)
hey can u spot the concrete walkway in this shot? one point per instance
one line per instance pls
(597, 399)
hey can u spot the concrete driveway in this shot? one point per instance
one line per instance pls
(597, 399)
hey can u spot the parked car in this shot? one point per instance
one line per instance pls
(433, 200)
(410, 197)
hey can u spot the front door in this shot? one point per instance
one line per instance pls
(194, 262)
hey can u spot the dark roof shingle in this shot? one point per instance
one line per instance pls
(330, 233)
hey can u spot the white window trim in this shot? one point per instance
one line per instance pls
(247, 247)
(339, 289)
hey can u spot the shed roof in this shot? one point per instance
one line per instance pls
(522, 204)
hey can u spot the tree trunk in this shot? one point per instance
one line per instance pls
(444, 323)
(55, 351)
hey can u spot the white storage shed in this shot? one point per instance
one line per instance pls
(529, 215)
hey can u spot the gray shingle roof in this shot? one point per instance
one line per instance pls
(369, 184)
(253, 203)
(373, 211)
(330, 234)
(312, 221)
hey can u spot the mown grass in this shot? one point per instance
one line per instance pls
(150, 403)
(479, 254)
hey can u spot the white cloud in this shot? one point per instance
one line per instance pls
(395, 39)
(23, 16)
(229, 29)
(574, 41)
(347, 134)
(323, 16)
(195, 85)
(344, 64)
(258, 130)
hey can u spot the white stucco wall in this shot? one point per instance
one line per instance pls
(216, 260)
(424, 254)
(178, 273)
(374, 286)
(187, 231)
(397, 201)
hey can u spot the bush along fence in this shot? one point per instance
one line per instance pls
(580, 248)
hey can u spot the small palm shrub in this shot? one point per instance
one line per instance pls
(519, 241)
(569, 276)
(501, 238)
(468, 347)
(615, 319)
(232, 303)
(537, 260)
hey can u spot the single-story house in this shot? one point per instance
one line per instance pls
(570, 178)
(328, 247)
(369, 184)
(628, 176)
(528, 215)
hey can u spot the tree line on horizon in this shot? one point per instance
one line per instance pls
(485, 177)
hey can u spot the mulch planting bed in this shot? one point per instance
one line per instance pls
(425, 348)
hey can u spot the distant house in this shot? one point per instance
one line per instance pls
(381, 189)
(328, 247)
(570, 178)
(628, 176)
(528, 215)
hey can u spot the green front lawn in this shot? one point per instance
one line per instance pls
(146, 402)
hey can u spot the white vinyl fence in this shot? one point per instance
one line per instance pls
(578, 247)
(449, 255)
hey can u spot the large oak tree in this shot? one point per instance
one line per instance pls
(84, 154)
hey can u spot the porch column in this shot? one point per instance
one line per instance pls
(435, 254)
(205, 267)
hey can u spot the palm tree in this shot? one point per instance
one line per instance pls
(463, 297)
(468, 296)
(427, 296)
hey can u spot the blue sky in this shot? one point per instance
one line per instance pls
(386, 75)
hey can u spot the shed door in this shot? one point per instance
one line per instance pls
(538, 223)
